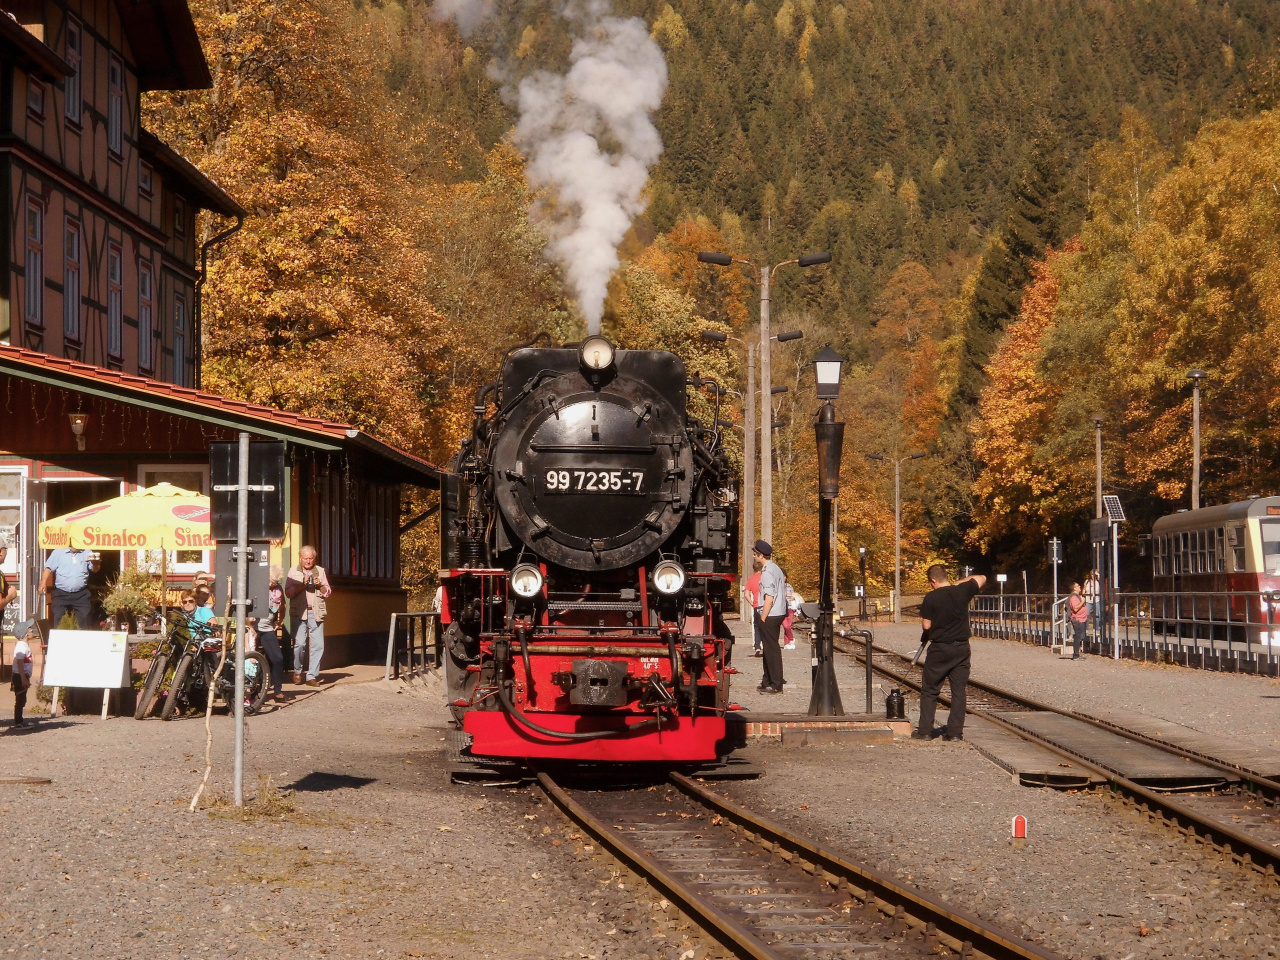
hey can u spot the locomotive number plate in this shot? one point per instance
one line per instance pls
(594, 481)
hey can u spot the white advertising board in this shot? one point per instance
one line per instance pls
(86, 658)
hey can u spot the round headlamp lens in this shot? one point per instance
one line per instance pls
(597, 353)
(526, 580)
(668, 577)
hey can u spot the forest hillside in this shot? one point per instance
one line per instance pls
(969, 165)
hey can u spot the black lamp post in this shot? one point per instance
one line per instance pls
(825, 701)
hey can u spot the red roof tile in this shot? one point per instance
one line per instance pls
(131, 383)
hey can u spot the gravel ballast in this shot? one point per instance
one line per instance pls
(381, 857)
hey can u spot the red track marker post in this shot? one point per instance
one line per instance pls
(1019, 831)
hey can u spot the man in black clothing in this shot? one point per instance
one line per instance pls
(944, 615)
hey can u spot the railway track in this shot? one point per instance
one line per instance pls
(1241, 821)
(764, 892)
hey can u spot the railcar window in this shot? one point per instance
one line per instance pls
(1270, 546)
(1239, 550)
(1221, 565)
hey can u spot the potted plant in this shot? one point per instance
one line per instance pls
(132, 594)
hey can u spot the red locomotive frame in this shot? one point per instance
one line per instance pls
(555, 638)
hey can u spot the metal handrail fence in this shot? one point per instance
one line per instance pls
(1236, 630)
(1028, 617)
(415, 645)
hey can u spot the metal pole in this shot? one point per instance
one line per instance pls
(825, 700)
(1195, 445)
(870, 651)
(766, 409)
(242, 592)
(897, 541)
(749, 469)
(1097, 447)
(1053, 623)
(1115, 586)
(835, 556)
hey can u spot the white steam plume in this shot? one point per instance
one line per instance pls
(589, 140)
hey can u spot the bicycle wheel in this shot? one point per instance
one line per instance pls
(177, 687)
(155, 675)
(257, 680)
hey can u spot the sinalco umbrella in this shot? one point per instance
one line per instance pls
(160, 517)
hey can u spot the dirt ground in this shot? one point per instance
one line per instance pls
(368, 852)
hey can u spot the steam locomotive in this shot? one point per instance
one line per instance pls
(588, 550)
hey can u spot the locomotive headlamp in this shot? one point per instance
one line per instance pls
(526, 580)
(668, 577)
(597, 353)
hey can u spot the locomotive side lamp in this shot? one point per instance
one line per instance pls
(526, 580)
(597, 354)
(668, 577)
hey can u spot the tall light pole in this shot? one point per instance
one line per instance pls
(766, 383)
(897, 525)
(1195, 376)
(1099, 549)
(825, 700)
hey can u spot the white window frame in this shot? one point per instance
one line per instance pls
(72, 249)
(146, 178)
(206, 556)
(115, 105)
(73, 98)
(146, 315)
(33, 309)
(115, 300)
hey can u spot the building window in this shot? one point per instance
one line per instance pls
(115, 107)
(146, 179)
(180, 364)
(71, 282)
(179, 218)
(34, 306)
(35, 99)
(146, 308)
(115, 300)
(71, 86)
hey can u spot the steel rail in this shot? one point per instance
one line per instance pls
(1251, 777)
(1241, 847)
(964, 934)
(868, 884)
(727, 931)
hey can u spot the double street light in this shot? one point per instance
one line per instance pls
(897, 525)
(766, 415)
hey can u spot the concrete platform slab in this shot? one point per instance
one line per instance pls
(1130, 759)
(1030, 764)
(1255, 759)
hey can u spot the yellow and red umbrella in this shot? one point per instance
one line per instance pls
(159, 517)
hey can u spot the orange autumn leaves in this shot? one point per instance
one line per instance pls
(1176, 269)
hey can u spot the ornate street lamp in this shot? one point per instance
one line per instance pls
(825, 701)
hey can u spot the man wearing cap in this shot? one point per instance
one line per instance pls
(66, 573)
(771, 607)
(944, 615)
